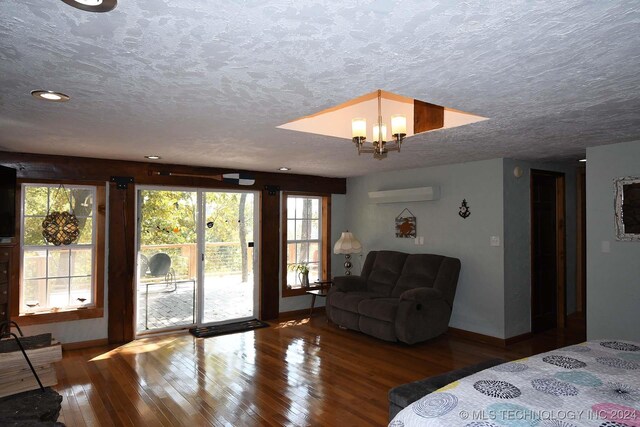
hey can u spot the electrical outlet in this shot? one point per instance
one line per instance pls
(494, 241)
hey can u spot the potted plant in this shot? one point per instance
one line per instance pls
(303, 273)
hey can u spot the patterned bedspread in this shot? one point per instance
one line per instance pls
(596, 383)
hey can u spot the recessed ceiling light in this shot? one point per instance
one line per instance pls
(153, 157)
(284, 169)
(49, 95)
(582, 160)
(93, 5)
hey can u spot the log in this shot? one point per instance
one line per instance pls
(34, 341)
(16, 376)
(39, 356)
(28, 382)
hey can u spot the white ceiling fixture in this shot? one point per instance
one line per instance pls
(49, 95)
(583, 160)
(380, 146)
(284, 169)
(93, 5)
(408, 117)
(153, 157)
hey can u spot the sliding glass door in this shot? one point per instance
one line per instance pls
(228, 291)
(195, 258)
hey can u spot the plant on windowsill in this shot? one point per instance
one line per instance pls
(303, 273)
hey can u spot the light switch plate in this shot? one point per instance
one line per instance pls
(606, 246)
(494, 241)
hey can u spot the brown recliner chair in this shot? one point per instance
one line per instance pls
(397, 297)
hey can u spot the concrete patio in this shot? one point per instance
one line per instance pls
(225, 298)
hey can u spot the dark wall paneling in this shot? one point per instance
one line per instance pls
(39, 166)
(270, 256)
(122, 217)
(121, 290)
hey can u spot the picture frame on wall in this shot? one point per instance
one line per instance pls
(627, 208)
(406, 225)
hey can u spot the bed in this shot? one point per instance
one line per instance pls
(596, 383)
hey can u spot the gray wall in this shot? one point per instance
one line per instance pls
(613, 279)
(479, 302)
(517, 241)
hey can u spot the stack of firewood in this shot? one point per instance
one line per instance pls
(15, 374)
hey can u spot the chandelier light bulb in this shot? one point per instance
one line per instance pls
(398, 125)
(359, 128)
(376, 133)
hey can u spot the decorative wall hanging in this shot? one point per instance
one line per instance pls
(406, 225)
(464, 209)
(627, 206)
(61, 228)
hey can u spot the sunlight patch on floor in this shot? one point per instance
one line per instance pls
(290, 323)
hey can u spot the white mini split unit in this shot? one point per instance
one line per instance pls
(420, 194)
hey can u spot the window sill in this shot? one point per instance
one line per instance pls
(59, 316)
(297, 291)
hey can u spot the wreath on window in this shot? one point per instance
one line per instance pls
(61, 228)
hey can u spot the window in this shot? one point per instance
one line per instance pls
(305, 239)
(61, 278)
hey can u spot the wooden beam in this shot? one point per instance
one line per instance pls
(427, 116)
(270, 256)
(121, 263)
(38, 166)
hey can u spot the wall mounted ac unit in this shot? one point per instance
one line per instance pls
(420, 194)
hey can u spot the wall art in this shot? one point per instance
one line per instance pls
(406, 225)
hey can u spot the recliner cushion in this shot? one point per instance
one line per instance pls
(385, 272)
(349, 301)
(419, 271)
(379, 308)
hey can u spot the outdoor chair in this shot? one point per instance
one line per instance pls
(159, 265)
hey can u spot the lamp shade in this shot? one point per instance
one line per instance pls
(359, 128)
(347, 244)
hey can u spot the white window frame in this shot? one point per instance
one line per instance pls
(24, 248)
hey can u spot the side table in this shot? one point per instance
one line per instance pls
(325, 285)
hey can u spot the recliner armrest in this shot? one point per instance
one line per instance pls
(421, 295)
(349, 283)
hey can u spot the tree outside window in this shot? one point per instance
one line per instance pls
(57, 277)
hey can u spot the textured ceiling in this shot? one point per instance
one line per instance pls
(207, 82)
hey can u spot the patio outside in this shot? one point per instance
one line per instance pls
(173, 302)
(226, 297)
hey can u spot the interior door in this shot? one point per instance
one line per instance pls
(228, 291)
(547, 250)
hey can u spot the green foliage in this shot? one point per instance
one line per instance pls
(302, 267)
(167, 217)
(39, 200)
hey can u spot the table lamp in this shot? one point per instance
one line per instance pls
(347, 245)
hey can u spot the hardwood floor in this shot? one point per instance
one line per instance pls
(296, 372)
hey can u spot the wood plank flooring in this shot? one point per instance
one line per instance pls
(297, 372)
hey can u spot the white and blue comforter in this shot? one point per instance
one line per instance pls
(596, 383)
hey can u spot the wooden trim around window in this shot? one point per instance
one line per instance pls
(325, 220)
(92, 312)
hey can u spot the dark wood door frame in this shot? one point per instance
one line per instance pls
(561, 266)
(581, 242)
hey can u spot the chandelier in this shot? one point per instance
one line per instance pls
(380, 146)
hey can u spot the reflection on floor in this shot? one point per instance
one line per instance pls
(225, 297)
(299, 371)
